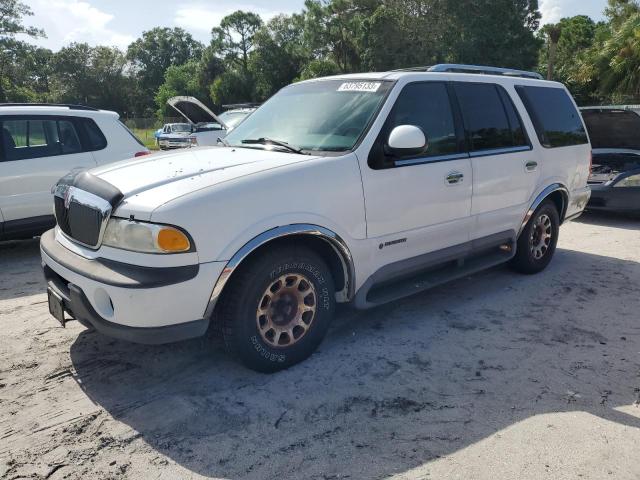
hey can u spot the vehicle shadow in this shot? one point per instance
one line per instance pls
(391, 388)
(610, 219)
(20, 272)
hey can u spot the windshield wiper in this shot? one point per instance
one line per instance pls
(223, 141)
(271, 141)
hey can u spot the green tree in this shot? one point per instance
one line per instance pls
(153, 53)
(614, 63)
(233, 86)
(576, 37)
(334, 30)
(234, 38)
(180, 80)
(279, 54)
(12, 51)
(618, 11)
(92, 76)
(492, 32)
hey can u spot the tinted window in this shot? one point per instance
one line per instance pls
(95, 138)
(555, 118)
(29, 139)
(69, 140)
(24, 138)
(518, 134)
(425, 105)
(486, 117)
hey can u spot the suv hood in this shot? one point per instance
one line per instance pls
(150, 181)
(193, 110)
(611, 128)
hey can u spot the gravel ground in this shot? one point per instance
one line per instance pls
(493, 376)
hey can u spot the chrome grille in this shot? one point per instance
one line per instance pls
(81, 216)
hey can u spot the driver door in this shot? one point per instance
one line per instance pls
(419, 204)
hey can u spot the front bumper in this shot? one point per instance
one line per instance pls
(139, 304)
(615, 199)
(173, 144)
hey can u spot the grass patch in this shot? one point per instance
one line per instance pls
(146, 136)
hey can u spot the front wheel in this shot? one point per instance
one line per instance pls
(277, 308)
(538, 240)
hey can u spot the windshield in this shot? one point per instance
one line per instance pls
(326, 115)
(181, 127)
(231, 119)
(613, 128)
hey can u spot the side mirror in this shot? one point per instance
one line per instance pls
(406, 140)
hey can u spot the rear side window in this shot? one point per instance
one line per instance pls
(95, 139)
(425, 105)
(25, 137)
(22, 139)
(69, 140)
(554, 116)
(489, 117)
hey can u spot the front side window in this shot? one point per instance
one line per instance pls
(490, 120)
(554, 116)
(425, 105)
(317, 116)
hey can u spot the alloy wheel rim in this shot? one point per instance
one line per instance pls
(286, 310)
(541, 235)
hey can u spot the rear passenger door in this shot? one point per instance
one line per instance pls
(505, 172)
(36, 152)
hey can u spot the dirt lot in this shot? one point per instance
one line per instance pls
(494, 376)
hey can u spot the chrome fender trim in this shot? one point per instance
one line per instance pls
(541, 197)
(333, 239)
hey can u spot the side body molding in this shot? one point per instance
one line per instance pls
(554, 187)
(330, 237)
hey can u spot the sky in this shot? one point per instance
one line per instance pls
(119, 22)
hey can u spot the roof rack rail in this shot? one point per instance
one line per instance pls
(477, 69)
(70, 106)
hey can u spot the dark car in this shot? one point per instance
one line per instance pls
(615, 175)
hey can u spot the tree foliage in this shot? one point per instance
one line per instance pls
(249, 60)
(156, 51)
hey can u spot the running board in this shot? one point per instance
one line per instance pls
(443, 273)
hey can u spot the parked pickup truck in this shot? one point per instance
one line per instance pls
(358, 189)
(174, 135)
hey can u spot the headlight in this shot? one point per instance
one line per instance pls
(145, 237)
(632, 181)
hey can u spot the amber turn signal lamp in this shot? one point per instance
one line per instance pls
(172, 240)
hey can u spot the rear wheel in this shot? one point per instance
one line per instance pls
(538, 240)
(277, 308)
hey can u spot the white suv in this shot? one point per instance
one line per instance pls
(42, 142)
(357, 189)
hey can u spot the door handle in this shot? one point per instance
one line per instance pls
(531, 166)
(454, 178)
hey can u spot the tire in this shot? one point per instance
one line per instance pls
(277, 308)
(537, 242)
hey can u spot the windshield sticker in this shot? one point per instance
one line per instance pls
(359, 87)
